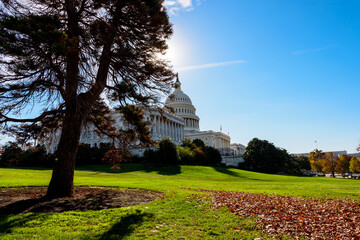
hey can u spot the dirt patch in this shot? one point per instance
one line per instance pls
(31, 199)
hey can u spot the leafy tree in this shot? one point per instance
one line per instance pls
(11, 155)
(303, 162)
(329, 163)
(263, 156)
(354, 165)
(317, 165)
(342, 165)
(167, 153)
(64, 54)
(315, 158)
(198, 143)
(187, 143)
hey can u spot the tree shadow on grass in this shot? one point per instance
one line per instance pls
(235, 174)
(20, 206)
(161, 169)
(168, 170)
(9, 222)
(227, 171)
(126, 225)
(125, 168)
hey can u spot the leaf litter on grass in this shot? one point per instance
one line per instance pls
(295, 217)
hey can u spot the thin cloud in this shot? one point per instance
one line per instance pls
(185, 3)
(169, 3)
(175, 6)
(311, 50)
(210, 65)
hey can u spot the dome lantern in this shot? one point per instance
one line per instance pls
(177, 83)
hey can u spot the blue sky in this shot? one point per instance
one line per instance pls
(284, 71)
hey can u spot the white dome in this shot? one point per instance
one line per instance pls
(178, 96)
(183, 107)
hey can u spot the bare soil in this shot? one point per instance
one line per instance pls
(31, 199)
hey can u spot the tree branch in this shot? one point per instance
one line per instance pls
(4, 118)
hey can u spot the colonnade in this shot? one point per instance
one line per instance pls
(191, 123)
(162, 128)
(222, 143)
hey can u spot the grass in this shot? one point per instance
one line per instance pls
(184, 213)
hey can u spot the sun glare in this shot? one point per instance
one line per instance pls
(176, 53)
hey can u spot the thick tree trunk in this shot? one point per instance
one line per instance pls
(61, 184)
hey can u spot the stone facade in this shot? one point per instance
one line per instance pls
(163, 124)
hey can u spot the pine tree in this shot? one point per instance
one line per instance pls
(62, 57)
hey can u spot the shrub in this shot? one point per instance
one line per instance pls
(150, 155)
(167, 153)
(213, 156)
(187, 156)
(200, 157)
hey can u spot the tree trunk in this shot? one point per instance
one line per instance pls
(61, 184)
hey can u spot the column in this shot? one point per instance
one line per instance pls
(163, 125)
(165, 128)
(177, 131)
(170, 130)
(158, 125)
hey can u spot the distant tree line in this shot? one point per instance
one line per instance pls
(264, 156)
(331, 163)
(15, 156)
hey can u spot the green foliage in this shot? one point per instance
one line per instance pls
(167, 153)
(186, 143)
(150, 155)
(354, 165)
(342, 165)
(263, 156)
(198, 143)
(317, 166)
(37, 156)
(11, 155)
(213, 156)
(60, 54)
(303, 162)
(186, 154)
(200, 157)
(190, 153)
(197, 153)
(87, 155)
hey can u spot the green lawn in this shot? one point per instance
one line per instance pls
(184, 213)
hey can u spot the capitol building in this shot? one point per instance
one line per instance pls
(179, 123)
